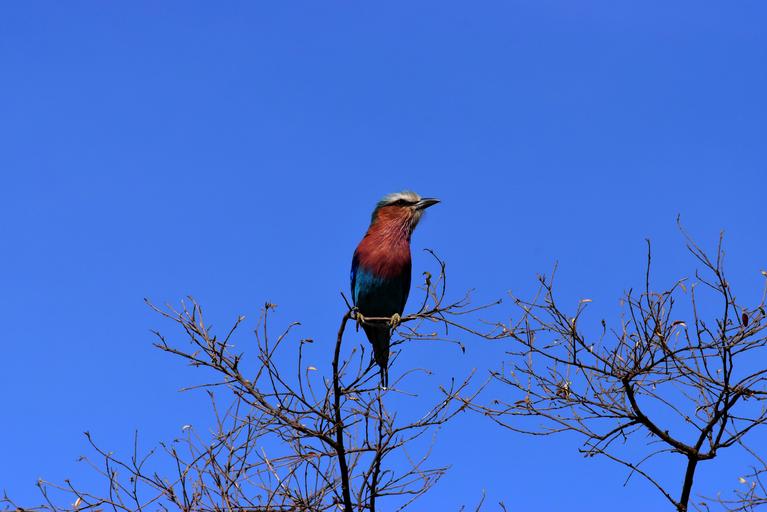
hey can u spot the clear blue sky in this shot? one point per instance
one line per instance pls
(234, 150)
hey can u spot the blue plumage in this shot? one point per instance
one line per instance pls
(379, 295)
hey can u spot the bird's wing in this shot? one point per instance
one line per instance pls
(353, 276)
(405, 286)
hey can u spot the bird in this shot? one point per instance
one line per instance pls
(381, 268)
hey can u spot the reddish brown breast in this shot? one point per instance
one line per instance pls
(385, 249)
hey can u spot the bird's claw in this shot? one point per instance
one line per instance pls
(395, 320)
(359, 318)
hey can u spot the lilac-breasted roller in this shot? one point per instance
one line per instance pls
(381, 269)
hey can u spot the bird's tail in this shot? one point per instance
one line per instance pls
(379, 336)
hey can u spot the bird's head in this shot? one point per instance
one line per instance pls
(402, 209)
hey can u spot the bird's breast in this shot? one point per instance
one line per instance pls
(382, 279)
(384, 258)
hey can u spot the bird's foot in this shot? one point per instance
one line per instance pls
(395, 320)
(359, 318)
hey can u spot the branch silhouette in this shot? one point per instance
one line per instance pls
(664, 380)
(287, 436)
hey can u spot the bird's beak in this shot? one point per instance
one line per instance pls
(425, 203)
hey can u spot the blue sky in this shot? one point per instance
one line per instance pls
(234, 151)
